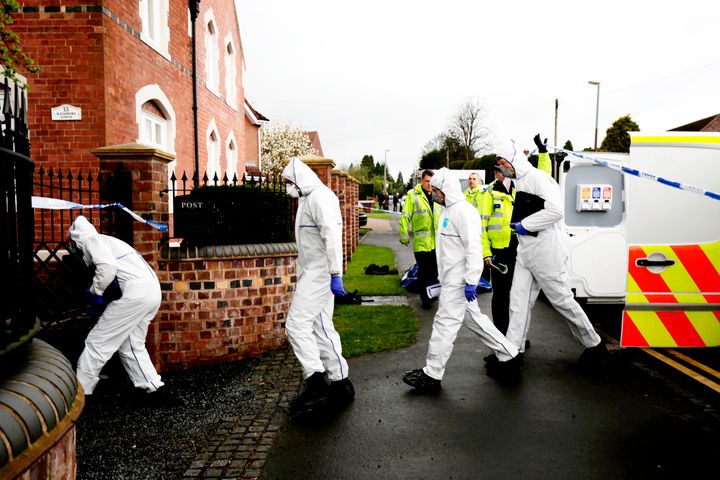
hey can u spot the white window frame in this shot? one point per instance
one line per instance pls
(158, 128)
(231, 157)
(212, 53)
(231, 88)
(212, 164)
(155, 31)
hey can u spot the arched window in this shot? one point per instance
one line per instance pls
(155, 118)
(213, 153)
(230, 73)
(211, 53)
(231, 157)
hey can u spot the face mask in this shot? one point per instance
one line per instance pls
(507, 172)
(292, 190)
(438, 199)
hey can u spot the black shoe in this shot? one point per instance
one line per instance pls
(506, 370)
(160, 398)
(421, 381)
(527, 344)
(594, 358)
(315, 396)
(342, 392)
(490, 359)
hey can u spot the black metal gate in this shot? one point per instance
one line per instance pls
(61, 277)
(17, 313)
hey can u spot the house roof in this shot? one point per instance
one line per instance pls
(709, 124)
(315, 142)
(255, 117)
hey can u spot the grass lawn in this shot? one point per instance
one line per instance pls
(355, 278)
(381, 215)
(368, 329)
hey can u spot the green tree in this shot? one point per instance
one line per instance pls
(568, 145)
(11, 53)
(617, 138)
(368, 162)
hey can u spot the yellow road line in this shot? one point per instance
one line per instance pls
(694, 363)
(682, 368)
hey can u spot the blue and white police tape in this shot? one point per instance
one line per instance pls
(639, 174)
(57, 204)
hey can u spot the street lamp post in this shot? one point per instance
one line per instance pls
(597, 108)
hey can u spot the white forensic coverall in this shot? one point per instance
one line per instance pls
(542, 260)
(318, 232)
(123, 325)
(459, 257)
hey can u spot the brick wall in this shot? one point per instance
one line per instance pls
(58, 462)
(222, 304)
(92, 58)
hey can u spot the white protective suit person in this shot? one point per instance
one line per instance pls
(460, 265)
(123, 325)
(309, 325)
(541, 259)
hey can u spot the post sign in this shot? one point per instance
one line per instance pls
(66, 112)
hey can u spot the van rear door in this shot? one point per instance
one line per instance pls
(673, 273)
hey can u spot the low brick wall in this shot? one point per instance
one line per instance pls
(222, 303)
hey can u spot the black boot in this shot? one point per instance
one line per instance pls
(315, 396)
(342, 392)
(421, 381)
(509, 370)
(593, 358)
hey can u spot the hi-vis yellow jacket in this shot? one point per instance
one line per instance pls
(475, 198)
(544, 163)
(497, 207)
(424, 219)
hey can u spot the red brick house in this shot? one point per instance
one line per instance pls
(124, 68)
(709, 124)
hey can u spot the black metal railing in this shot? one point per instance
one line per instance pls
(17, 312)
(254, 209)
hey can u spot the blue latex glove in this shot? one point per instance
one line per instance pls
(336, 285)
(519, 229)
(96, 305)
(93, 299)
(470, 292)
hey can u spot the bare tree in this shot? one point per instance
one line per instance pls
(467, 126)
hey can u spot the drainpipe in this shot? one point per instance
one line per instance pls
(194, 6)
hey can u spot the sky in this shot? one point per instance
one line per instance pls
(384, 78)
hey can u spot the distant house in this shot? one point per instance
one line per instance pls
(709, 124)
(315, 142)
(123, 68)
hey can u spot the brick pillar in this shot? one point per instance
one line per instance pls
(147, 170)
(353, 189)
(339, 187)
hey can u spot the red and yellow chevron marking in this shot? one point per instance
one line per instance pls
(694, 281)
(643, 328)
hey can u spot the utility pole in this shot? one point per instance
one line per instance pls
(556, 116)
(597, 109)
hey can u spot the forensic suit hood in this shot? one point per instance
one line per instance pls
(449, 185)
(510, 151)
(301, 175)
